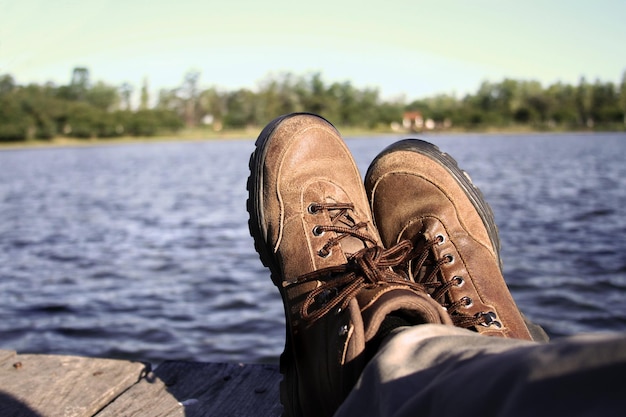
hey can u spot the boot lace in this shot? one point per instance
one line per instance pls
(368, 268)
(426, 271)
(342, 224)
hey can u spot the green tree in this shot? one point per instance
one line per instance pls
(82, 120)
(80, 83)
(606, 106)
(45, 110)
(189, 93)
(240, 106)
(367, 105)
(143, 123)
(145, 95)
(126, 93)
(81, 109)
(14, 122)
(169, 100)
(103, 97)
(7, 84)
(508, 98)
(622, 96)
(213, 103)
(483, 107)
(277, 94)
(347, 103)
(312, 94)
(564, 109)
(584, 102)
(389, 112)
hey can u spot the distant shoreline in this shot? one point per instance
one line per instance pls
(201, 135)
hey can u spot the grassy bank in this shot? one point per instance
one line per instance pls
(197, 134)
(203, 134)
(185, 135)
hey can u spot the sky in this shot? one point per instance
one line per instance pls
(410, 49)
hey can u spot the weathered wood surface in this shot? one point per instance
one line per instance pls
(202, 389)
(6, 354)
(70, 386)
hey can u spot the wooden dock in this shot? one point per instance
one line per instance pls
(34, 385)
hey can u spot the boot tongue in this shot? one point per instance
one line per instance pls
(351, 245)
(415, 308)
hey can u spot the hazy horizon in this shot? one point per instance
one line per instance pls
(411, 49)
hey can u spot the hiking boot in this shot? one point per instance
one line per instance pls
(418, 193)
(312, 226)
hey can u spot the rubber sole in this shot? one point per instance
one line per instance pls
(256, 225)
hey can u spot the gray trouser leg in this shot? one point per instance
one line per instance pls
(437, 370)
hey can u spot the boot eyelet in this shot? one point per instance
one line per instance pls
(449, 258)
(324, 253)
(467, 302)
(489, 319)
(343, 330)
(318, 231)
(312, 209)
(458, 281)
(440, 239)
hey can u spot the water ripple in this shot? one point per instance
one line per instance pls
(143, 252)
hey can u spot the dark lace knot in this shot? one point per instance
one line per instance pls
(367, 268)
(375, 263)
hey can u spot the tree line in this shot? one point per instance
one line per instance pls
(83, 109)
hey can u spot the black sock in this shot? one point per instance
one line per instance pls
(390, 323)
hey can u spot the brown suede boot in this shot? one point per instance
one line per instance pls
(418, 193)
(312, 227)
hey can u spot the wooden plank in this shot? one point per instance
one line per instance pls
(224, 389)
(63, 386)
(149, 398)
(192, 389)
(6, 355)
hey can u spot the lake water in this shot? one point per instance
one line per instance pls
(142, 251)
